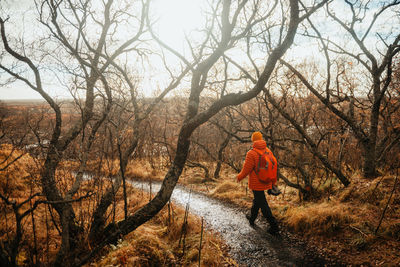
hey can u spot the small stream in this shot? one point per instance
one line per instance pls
(249, 246)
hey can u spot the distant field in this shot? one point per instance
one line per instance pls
(67, 106)
(27, 102)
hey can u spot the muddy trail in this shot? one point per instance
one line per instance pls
(249, 246)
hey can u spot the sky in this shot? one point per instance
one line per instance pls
(175, 18)
(23, 9)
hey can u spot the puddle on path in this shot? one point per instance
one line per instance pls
(249, 246)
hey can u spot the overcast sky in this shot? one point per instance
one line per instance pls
(176, 17)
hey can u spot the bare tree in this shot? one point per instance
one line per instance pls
(377, 62)
(71, 24)
(224, 32)
(92, 61)
(141, 111)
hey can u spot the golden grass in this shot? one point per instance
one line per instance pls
(232, 192)
(224, 188)
(343, 226)
(155, 243)
(136, 169)
(18, 182)
(19, 172)
(323, 218)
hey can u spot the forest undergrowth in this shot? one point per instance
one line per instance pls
(359, 225)
(171, 238)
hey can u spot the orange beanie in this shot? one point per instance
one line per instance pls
(256, 136)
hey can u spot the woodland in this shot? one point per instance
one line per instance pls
(331, 118)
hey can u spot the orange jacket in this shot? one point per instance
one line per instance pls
(249, 165)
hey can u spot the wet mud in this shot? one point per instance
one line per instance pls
(249, 246)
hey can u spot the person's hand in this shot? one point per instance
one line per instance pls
(274, 191)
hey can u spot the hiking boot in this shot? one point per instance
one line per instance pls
(273, 227)
(249, 219)
(273, 230)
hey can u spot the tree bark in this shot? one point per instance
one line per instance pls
(221, 149)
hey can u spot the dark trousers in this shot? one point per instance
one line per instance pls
(260, 202)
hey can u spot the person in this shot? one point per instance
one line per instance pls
(258, 188)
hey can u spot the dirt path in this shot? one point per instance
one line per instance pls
(249, 246)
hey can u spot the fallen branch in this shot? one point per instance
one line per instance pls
(201, 239)
(358, 230)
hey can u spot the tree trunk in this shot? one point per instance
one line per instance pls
(193, 120)
(369, 161)
(220, 155)
(71, 232)
(369, 165)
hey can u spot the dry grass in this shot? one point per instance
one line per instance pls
(155, 243)
(18, 182)
(159, 242)
(136, 169)
(343, 226)
(19, 170)
(232, 192)
(226, 189)
(323, 218)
